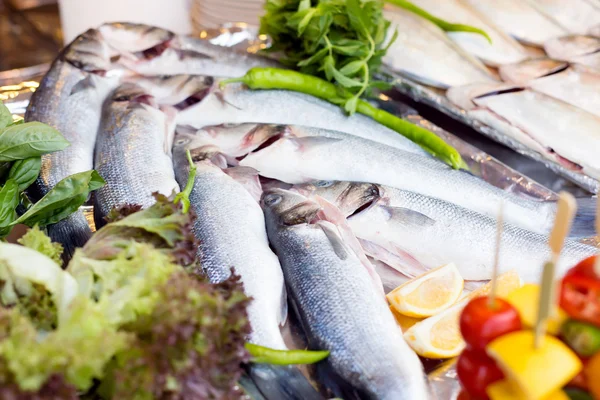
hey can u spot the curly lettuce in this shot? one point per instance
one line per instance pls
(37, 240)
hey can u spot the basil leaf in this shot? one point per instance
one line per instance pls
(63, 200)
(25, 172)
(30, 139)
(18, 121)
(9, 200)
(4, 169)
(5, 116)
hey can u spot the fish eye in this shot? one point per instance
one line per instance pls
(182, 141)
(323, 184)
(272, 199)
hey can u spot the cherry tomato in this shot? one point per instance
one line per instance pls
(476, 371)
(580, 292)
(480, 323)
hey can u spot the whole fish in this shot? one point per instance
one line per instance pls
(237, 104)
(230, 226)
(70, 98)
(436, 232)
(306, 154)
(577, 16)
(502, 50)
(557, 130)
(577, 49)
(423, 52)
(149, 50)
(519, 19)
(339, 308)
(133, 151)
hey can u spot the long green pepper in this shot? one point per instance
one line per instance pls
(266, 355)
(275, 78)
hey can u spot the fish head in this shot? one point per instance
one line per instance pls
(287, 208)
(349, 197)
(180, 91)
(127, 37)
(131, 94)
(89, 52)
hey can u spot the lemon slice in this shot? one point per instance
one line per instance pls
(428, 294)
(404, 321)
(439, 336)
(535, 372)
(526, 300)
(504, 390)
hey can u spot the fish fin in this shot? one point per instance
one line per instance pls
(283, 311)
(83, 84)
(72, 232)
(334, 238)
(408, 216)
(333, 214)
(309, 142)
(583, 224)
(248, 178)
(282, 382)
(394, 257)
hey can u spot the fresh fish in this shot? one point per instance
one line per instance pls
(70, 98)
(557, 130)
(237, 104)
(133, 151)
(423, 52)
(230, 226)
(340, 310)
(577, 49)
(149, 50)
(519, 19)
(577, 16)
(436, 232)
(528, 70)
(502, 50)
(306, 154)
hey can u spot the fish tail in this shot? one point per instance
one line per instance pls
(72, 232)
(583, 224)
(281, 382)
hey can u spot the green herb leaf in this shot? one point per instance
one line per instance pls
(350, 105)
(352, 67)
(9, 200)
(63, 200)
(345, 81)
(25, 172)
(318, 56)
(5, 116)
(184, 195)
(266, 355)
(30, 139)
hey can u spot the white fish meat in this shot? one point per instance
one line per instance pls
(578, 49)
(502, 50)
(423, 52)
(519, 19)
(577, 16)
(528, 70)
(559, 131)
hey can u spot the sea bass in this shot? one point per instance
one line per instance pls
(70, 98)
(339, 308)
(148, 50)
(237, 104)
(304, 154)
(519, 19)
(502, 50)
(576, 49)
(559, 131)
(577, 16)
(133, 151)
(436, 232)
(575, 85)
(423, 52)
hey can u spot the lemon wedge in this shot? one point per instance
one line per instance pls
(504, 390)
(439, 336)
(526, 300)
(428, 294)
(404, 321)
(535, 372)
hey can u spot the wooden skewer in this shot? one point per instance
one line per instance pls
(499, 229)
(597, 264)
(562, 225)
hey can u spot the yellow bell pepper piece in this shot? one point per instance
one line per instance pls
(536, 372)
(526, 300)
(504, 390)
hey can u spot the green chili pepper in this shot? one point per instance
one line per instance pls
(275, 78)
(444, 25)
(266, 355)
(184, 195)
(582, 337)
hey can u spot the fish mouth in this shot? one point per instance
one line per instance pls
(358, 197)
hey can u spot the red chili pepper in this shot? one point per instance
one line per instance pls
(580, 292)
